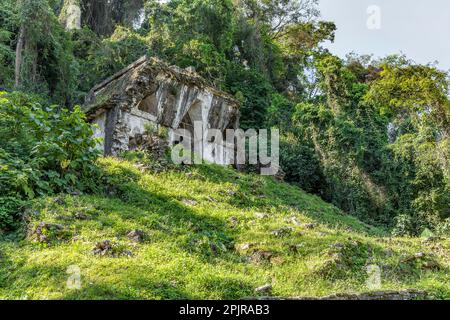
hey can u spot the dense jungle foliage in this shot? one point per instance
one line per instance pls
(369, 136)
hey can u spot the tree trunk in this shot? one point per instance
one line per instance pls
(30, 50)
(19, 56)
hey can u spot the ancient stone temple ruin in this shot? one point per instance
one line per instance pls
(149, 92)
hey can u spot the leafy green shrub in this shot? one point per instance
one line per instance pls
(44, 150)
(10, 209)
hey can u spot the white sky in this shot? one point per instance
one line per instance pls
(418, 28)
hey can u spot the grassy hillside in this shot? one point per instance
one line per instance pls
(208, 233)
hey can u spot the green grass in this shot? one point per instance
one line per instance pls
(197, 222)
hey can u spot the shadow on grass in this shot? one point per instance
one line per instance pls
(265, 193)
(224, 288)
(137, 290)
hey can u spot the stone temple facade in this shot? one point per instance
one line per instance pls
(149, 92)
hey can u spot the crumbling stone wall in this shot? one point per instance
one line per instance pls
(151, 92)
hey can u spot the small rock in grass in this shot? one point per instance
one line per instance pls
(282, 232)
(245, 246)
(309, 226)
(296, 248)
(337, 245)
(337, 256)
(294, 221)
(111, 191)
(234, 222)
(60, 201)
(35, 213)
(190, 202)
(431, 239)
(76, 239)
(277, 261)
(426, 260)
(261, 256)
(127, 253)
(261, 215)
(214, 248)
(42, 231)
(80, 216)
(102, 248)
(136, 235)
(419, 255)
(265, 289)
(431, 264)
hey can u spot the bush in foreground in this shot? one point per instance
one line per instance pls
(44, 150)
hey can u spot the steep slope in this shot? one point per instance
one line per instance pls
(206, 232)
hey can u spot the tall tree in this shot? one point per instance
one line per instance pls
(44, 62)
(39, 12)
(278, 15)
(103, 16)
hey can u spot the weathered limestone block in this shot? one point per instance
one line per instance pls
(151, 92)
